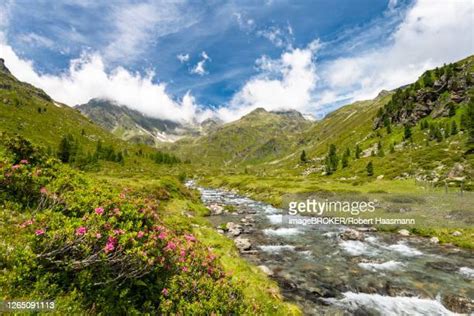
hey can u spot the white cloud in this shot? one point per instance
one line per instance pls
(280, 37)
(5, 8)
(432, 33)
(199, 68)
(138, 25)
(245, 24)
(183, 58)
(285, 83)
(87, 78)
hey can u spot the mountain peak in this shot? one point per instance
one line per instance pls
(258, 111)
(289, 113)
(4, 68)
(133, 125)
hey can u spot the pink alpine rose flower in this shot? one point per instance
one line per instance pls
(170, 246)
(24, 161)
(165, 292)
(98, 235)
(162, 235)
(140, 234)
(119, 231)
(43, 191)
(109, 247)
(14, 167)
(81, 231)
(99, 211)
(39, 232)
(26, 223)
(189, 237)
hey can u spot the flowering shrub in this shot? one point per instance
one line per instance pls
(104, 246)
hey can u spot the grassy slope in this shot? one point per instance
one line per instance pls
(19, 103)
(256, 137)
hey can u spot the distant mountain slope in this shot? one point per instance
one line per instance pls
(131, 125)
(256, 137)
(29, 111)
(136, 127)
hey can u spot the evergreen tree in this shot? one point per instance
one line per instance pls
(345, 158)
(357, 151)
(348, 152)
(344, 161)
(427, 80)
(454, 128)
(303, 156)
(370, 169)
(119, 158)
(470, 121)
(407, 133)
(67, 149)
(448, 71)
(416, 86)
(331, 159)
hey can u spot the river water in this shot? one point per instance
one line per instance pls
(383, 274)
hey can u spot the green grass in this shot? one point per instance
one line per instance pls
(433, 217)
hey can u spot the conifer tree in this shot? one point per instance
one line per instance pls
(370, 169)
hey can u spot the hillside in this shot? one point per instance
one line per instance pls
(420, 130)
(30, 112)
(257, 137)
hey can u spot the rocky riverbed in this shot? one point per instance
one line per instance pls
(341, 270)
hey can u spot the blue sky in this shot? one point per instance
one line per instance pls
(184, 60)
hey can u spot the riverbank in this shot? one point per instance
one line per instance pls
(333, 269)
(443, 216)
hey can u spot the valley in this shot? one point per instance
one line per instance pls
(84, 187)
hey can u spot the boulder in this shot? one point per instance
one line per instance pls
(233, 229)
(443, 266)
(404, 232)
(458, 304)
(266, 270)
(366, 229)
(456, 233)
(243, 244)
(352, 234)
(456, 171)
(235, 232)
(216, 209)
(434, 240)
